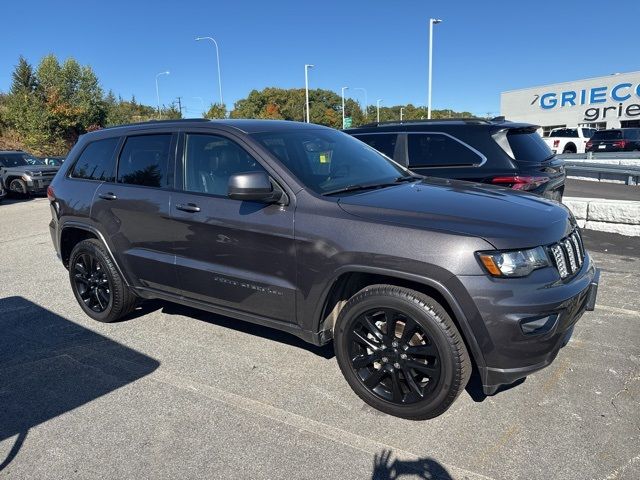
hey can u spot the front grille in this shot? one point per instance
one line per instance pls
(568, 254)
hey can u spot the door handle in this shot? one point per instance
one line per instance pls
(189, 207)
(107, 196)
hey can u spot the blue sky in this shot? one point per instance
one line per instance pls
(482, 48)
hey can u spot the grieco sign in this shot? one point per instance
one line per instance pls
(621, 92)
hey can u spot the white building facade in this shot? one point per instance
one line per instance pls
(603, 102)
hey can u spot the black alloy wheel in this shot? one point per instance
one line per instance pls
(97, 283)
(401, 352)
(393, 356)
(92, 282)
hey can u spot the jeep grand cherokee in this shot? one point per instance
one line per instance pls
(306, 229)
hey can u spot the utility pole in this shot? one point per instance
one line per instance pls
(180, 105)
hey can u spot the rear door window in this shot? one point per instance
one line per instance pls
(97, 161)
(528, 146)
(383, 142)
(145, 161)
(439, 150)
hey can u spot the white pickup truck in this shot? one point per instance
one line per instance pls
(569, 140)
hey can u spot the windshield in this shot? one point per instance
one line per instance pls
(564, 132)
(34, 161)
(607, 135)
(328, 160)
(15, 160)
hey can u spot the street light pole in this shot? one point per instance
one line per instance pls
(378, 110)
(432, 22)
(218, 62)
(401, 109)
(366, 114)
(306, 88)
(343, 89)
(158, 90)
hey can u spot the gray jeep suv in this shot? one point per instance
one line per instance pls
(23, 174)
(303, 228)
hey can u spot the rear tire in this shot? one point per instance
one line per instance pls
(400, 352)
(96, 283)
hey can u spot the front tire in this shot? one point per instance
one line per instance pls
(400, 352)
(97, 284)
(18, 187)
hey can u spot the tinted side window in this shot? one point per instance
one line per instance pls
(97, 161)
(437, 150)
(385, 143)
(145, 161)
(209, 161)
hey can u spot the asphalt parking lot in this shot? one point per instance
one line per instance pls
(177, 393)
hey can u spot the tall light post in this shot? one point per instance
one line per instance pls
(401, 110)
(158, 90)
(218, 62)
(378, 110)
(432, 22)
(366, 114)
(343, 89)
(306, 88)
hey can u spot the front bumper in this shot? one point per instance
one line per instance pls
(521, 324)
(38, 184)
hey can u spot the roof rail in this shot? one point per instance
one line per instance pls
(433, 120)
(154, 122)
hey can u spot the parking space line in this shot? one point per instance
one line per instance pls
(623, 311)
(334, 434)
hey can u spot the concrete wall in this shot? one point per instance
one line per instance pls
(615, 216)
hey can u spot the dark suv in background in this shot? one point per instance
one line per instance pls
(488, 151)
(615, 140)
(306, 229)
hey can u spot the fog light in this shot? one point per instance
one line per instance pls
(538, 325)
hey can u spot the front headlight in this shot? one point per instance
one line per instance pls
(514, 263)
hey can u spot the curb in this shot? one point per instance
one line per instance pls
(604, 215)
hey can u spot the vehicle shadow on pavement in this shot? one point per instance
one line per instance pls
(325, 351)
(50, 365)
(386, 468)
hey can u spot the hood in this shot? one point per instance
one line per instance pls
(505, 218)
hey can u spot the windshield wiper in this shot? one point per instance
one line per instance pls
(372, 186)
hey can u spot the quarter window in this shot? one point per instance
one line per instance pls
(145, 161)
(97, 161)
(209, 161)
(438, 150)
(385, 143)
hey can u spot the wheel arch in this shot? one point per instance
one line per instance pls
(349, 280)
(72, 233)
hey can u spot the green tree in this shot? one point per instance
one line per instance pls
(289, 104)
(216, 110)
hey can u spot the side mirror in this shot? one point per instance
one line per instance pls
(252, 186)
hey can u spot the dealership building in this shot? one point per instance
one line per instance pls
(603, 102)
